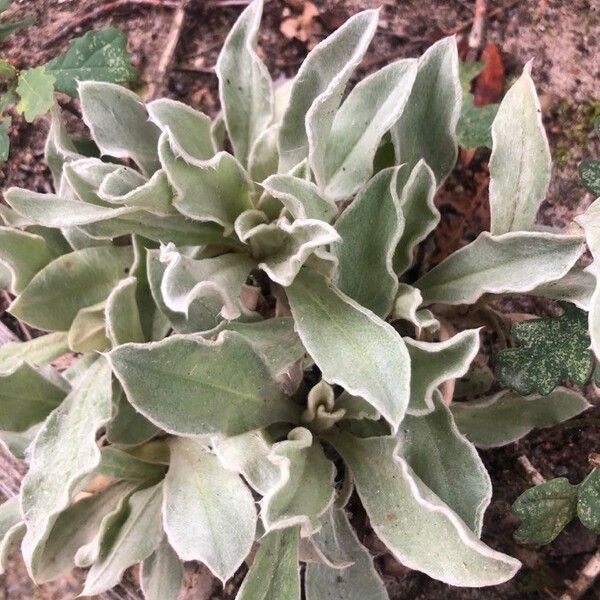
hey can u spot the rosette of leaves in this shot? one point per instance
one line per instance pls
(235, 288)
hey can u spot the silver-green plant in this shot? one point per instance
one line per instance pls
(242, 373)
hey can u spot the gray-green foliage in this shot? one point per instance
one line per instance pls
(219, 287)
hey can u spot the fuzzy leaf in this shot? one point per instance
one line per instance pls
(447, 463)
(38, 351)
(514, 262)
(122, 313)
(5, 139)
(507, 417)
(263, 159)
(588, 501)
(36, 92)
(371, 108)
(545, 510)
(407, 516)
(12, 529)
(88, 330)
(577, 287)
(118, 464)
(589, 171)
(209, 513)
(406, 307)
(96, 56)
(245, 87)
(520, 161)
(370, 229)
(550, 351)
(162, 574)
(436, 91)
(432, 363)
(55, 295)
(304, 490)
(338, 333)
(122, 133)
(274, 574)
(128, 427)
(64, 452)
(185, 386)
(317, 91)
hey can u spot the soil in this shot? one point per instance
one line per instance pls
(562, 37)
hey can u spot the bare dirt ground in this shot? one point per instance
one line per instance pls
(563, 38)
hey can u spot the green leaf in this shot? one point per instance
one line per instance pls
(545, 510)
(64, 452)
(520, 161)
(588, 502)
(436, 91)
(474, 126)
(406, 307)
(317, 91)
(514, 262)
(17, 443)
(73, 281)
(245, 87)
(11, 27)
(304, 490)
(88, 330)
(131, 537)
(5, 139)
(121, 465)
(263, 159)
(209, 513)
(550, 351)
(447, 463)
(338, 333)
(274, 573)
(7, 72)
(12, 529)
(38, 351)
(357, 581)
(99, 55)
(122, 313)
(432, 363)
(185, 385)
(370, 109)
(36, 92)
(407, 516)
(507, 417)
(128, 427)
(371, 228)
(122, 133)
(577, 287)
(162, 574)
(589, 171)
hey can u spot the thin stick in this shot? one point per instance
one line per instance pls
(477, 31)
(534, 475)
(494, 13)
(586, 578)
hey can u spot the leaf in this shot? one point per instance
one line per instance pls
(128, 427)
(589, 171)
(338, 333)
(88, 330)
(123, 133)
(38, 351)
(514, 262)
(64, 452)
(274, 573)
(131, 537)
(99, 55)
(447, 463)
(36, 92)
(11, 529)
(245, 87)
(370, 109)
(588, 501)
(545, 510)
(507, 417)
(436, 91)
(550, 350)
(5, 139)
(263, 159)
(184, 385)
(370, 228)
(407, 516)
(432, 363)
(11, 27)
(406, 307)
(162, 574)
(520, 148)
(474, 126)
(304, 490)
(18, 443)
(82, 278)
(59, 147)
(120, 465)
(317, 91)
(122, 313)
(577, 287)
(28, 396)
(357, 581)
(208, 512)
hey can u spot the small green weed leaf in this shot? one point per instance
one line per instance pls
(589, 171)
(588, 502)
(338, 333)
(209, 513)
(545, 510)
(99, 55)
(406, 515)
(506, 417)
(304, 490)
(36, 92)
(162, 574)
(515, 262)
(447, 463)
(38, 351)
(520, 161)
(550, 350)
(474, 126)
(7, 72)
(5, 139)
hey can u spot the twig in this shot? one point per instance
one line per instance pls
(477, 31)
(494, 13)
(220, 3)
(534, 475)
(104, 9)
(160, 77)
(586, 578)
